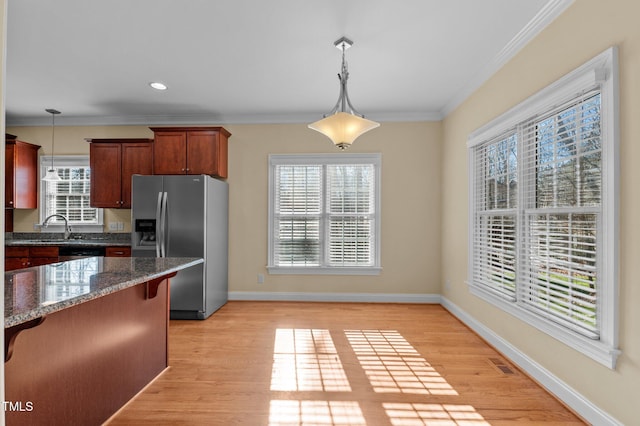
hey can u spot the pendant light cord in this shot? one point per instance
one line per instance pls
(53, 129)
(53, 113)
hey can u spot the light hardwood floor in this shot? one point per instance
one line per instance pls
(286, 363)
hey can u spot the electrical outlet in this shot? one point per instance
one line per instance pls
(447, 284)
(260, 278)
(120, 226)
(113, 226)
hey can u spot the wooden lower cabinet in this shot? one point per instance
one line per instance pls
(117, 251)
(18, 257)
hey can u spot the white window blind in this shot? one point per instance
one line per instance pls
(298, 215)
(324, 213)
(494, 242)
(543, 210)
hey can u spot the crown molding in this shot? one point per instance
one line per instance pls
(547, 14)
(207, 119)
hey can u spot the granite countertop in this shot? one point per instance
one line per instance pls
(35, 292)
(77, 239)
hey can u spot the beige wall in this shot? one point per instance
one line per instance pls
(411, 187)
(587, 28)
(410, 207)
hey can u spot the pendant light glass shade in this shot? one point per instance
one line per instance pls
(343, 128)
(343, 124)
(51, 176)
(52, 173)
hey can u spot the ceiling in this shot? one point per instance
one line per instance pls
(252, 61)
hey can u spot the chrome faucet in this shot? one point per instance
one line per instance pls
(67, 228)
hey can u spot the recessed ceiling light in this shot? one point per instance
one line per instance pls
(158, 86)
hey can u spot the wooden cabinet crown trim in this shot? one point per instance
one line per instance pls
(190, 129)
(118, 140)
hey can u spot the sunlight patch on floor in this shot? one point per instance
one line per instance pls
(306, 360)
(319, 413)
(394, 366)
(408, 414)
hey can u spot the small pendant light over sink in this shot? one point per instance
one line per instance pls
(52, 173)
(343, 124)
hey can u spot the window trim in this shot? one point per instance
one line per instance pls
(293, 159)
(602, 71)
(66, 160)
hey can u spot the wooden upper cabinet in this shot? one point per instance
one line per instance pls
(169, 153)
(21, 174)
(190, 151)
(106, 175)
(113, 162)
(137, 159)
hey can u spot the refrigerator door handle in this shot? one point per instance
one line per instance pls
(163, 220)
(158, 225)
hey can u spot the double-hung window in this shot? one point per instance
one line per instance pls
(543, 202)
(69, 196)
(324, 214)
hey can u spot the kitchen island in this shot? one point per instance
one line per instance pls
(83, 337)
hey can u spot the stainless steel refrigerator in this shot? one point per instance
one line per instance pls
(185, 216)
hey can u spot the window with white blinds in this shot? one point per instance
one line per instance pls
(324, 213)
(562, 155)
(543, 224)
(70, 196)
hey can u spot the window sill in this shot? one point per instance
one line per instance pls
(597, 350)
(301, 270)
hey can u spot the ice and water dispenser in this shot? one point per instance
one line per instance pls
(145, 233)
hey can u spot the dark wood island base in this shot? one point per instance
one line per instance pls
(81, 364)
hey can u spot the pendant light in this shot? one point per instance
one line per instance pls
(52, 173)
(343, 124)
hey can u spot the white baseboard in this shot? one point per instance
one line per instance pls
(334, 297)
(551, 383)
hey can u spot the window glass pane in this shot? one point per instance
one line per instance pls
(562, 269)
(351, 202)
(568, 156)
(298, 242)
(351, 188)
(351, 242)
(298, 189)
(495, 254)
(500, 173)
